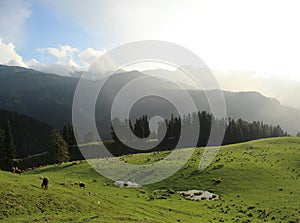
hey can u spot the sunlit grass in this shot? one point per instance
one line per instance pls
(258, 182)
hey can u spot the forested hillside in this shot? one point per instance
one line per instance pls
(29, 135)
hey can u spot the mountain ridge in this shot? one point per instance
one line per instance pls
(49, 97)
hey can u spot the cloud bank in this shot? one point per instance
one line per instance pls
(66, 59)
(9, 56)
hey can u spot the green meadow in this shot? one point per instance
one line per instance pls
(258, 181)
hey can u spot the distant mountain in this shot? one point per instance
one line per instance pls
(48, 98)
(254, 106)
(30, 136)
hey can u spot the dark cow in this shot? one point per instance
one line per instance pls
(81, 185)
(45, 183)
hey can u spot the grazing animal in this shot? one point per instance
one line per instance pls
(45, 183)
(19, 171)
(16, 170)
(76, 163)
(81, 185)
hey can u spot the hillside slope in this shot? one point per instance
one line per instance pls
(258, 181)
(30, 136)
(45, 97)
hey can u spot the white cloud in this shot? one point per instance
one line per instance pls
(67, 60)
(64, 54)
(63, 69)
(89, 55)
(9, 56)
(13, 16)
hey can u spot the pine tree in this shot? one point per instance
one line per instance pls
(66, 133)
(2, 152)
(116, 123)
(69, 137)
(146, 127)
(138, 128)
(73, 147)
(141, 127)
(8, 143)
(59, 147)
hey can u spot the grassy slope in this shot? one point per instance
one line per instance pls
(260, 182)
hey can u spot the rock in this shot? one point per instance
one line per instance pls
(198, 195)
(130, 184)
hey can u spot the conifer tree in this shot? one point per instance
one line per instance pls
(60, 151)
(8, 143)
(2, 152)
(69, 137)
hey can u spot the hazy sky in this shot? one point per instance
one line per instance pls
(256, 36)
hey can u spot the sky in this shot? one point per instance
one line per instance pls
(250, 44)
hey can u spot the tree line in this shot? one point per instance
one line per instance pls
(169, 131)
(63, 146)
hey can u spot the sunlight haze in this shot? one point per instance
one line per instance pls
(257, 37)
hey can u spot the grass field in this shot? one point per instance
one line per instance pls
(258, 181)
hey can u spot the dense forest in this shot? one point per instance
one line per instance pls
(235, 131)
(27, 142)
(30, 135)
